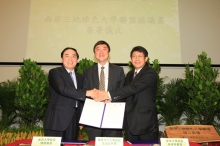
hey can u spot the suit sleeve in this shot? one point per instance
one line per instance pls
(61, 86)
(147, 80)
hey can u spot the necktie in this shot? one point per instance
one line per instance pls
(102, 80)
(135, 74)
(71, 75)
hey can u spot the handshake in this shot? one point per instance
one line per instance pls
(98, 95)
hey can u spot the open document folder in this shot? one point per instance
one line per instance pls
(101, 115)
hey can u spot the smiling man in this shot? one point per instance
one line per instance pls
(66, 98)
(139, 91)
(103, 76)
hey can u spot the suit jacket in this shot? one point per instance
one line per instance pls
(63, 97)
(140, 95)
(115, 80)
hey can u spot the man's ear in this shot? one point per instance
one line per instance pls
(146, 58)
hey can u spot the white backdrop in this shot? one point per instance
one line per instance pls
(124, 24)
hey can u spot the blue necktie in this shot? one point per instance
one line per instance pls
(71, 75)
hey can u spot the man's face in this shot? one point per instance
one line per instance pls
(101, 53)
(138, 60)
(69, 59)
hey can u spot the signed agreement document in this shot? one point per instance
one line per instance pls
(101, 115)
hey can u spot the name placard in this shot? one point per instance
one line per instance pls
(194, 133)
(109, 141)
(174, 141)
(46, 141)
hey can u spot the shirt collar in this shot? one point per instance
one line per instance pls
(138, 70)
(73, 71)
(106, 65)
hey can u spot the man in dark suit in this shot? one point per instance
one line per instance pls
(113, 78)
(66, 98)
(139, 91)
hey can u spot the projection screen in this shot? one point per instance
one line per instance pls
(124, 24)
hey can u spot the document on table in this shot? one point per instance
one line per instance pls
(101, 115)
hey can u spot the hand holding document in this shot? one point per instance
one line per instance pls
(101, 115)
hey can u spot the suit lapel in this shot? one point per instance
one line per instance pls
(110, 76)
(141, 71)
(67, 76)
(78, 80)
(95, 76)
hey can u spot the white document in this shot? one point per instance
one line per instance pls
(101, 115)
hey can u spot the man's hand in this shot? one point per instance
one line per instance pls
(101, 96)
(92, 93)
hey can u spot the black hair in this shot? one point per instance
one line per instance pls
(67, 48)
(101, 42)
(139, 49)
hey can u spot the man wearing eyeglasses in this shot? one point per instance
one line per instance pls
(139, 91)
